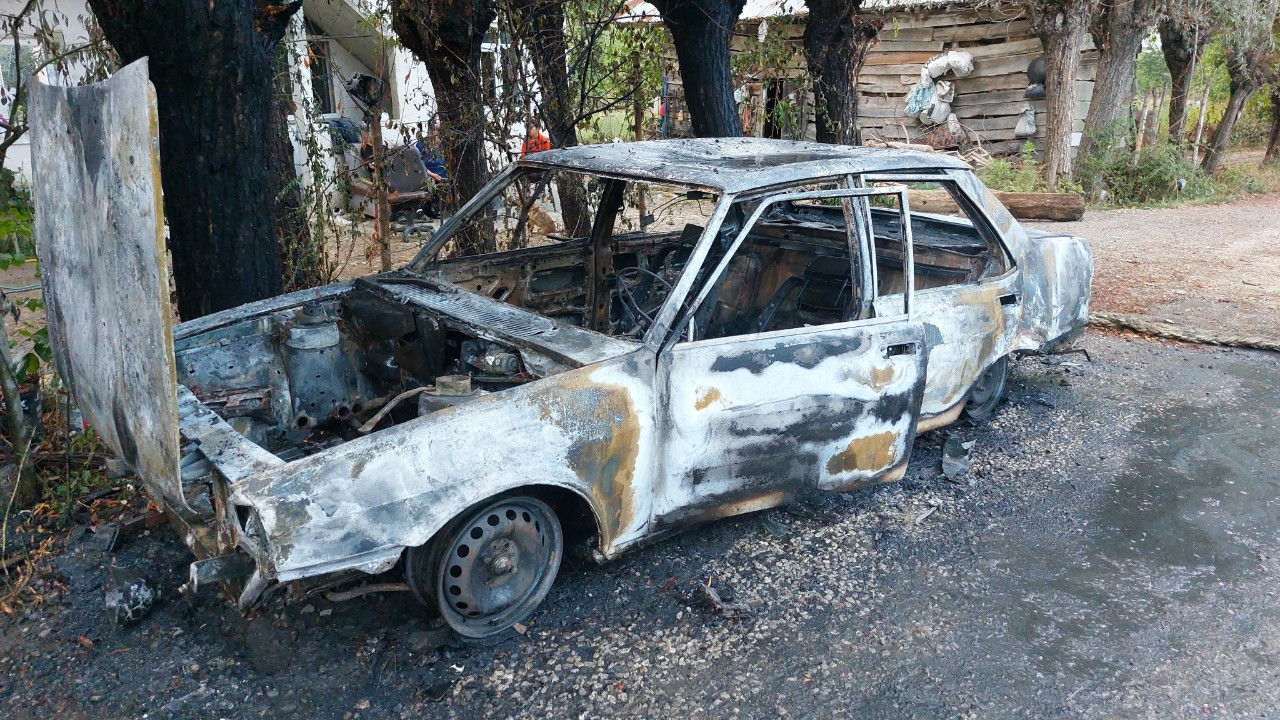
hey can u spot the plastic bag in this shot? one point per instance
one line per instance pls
(944, 91)
(957, 62)
(938, 111)
(919, 98)
(1026, 126)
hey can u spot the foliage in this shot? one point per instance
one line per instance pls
(773, 58)
(1019, 174)
(1159, 173)
(1152, 71)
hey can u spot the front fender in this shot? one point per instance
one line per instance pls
(359, 504)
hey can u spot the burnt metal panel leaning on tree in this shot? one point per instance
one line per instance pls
(211, 66)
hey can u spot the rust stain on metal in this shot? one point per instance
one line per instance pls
(706, 396)
(872, 451)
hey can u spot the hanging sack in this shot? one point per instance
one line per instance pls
(1026, 126)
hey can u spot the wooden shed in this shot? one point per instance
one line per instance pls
(988, 101)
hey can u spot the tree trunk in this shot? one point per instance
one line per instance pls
(1119, 32)
(836, 41)
(1061, 26)
(446, 36)
(1181, 41)
(1216, 152)
(211, 66)
(701, 31)
(1273, 140)
(540, 24)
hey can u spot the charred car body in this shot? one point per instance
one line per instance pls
(469, 416)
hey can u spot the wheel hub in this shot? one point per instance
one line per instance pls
(501, 557)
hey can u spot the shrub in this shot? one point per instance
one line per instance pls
(1020, 174)
(1161, 172)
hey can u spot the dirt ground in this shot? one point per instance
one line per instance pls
(1208, 267)
(1112, 554)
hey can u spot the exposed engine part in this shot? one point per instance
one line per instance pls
(489, 358)
(322, 381)
(453, 385)
(450, 390)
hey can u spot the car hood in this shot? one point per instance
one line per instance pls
(99, 236)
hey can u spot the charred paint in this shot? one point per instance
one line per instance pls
(807, 356)
(606, 429)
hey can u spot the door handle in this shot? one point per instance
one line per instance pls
(900, 349)
(1010, 299)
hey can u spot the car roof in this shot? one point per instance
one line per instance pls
(734, 164)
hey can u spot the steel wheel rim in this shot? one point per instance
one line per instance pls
(987, 389)
(498, 566)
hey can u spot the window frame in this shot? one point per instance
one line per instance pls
(683, 327)
(969, 206)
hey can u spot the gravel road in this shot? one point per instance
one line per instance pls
(1214, 268)
(1112, 554)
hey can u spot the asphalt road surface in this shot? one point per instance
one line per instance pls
(1113, 553)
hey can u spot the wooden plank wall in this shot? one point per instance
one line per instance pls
(988, 101)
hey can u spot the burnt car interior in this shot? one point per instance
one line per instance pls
(301, 380)
(793, 269)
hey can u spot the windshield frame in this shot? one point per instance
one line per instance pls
(428, 256)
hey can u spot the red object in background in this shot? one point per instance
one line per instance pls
(536, 145)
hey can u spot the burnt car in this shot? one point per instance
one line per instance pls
(682, 330)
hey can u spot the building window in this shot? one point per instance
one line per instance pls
(321, 70)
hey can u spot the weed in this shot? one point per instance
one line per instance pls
(1020, 174)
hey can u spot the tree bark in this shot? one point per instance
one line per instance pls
(1246, 65)
(701, 31)
(1273, 139)
(1061, 26)
(1216, 151)
(211, 65)
(1182, 38)
(1118, 33)
(836, 41)
(540, 24)
(446, 36)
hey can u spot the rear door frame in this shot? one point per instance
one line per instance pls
(903, 356)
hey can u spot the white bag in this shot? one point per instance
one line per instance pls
(945, 91)
(958, 62)
(936, 113)
(1026, 126)
(961, 63)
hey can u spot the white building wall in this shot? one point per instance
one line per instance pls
(70, 18)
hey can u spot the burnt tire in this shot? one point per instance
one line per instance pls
(985, 396)
(490, 567)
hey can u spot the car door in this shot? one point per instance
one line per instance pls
(753, 419)
(973, 317)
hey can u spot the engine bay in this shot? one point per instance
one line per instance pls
(307, 378)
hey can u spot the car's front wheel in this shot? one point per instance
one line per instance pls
(987, 392)
(490, 567)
